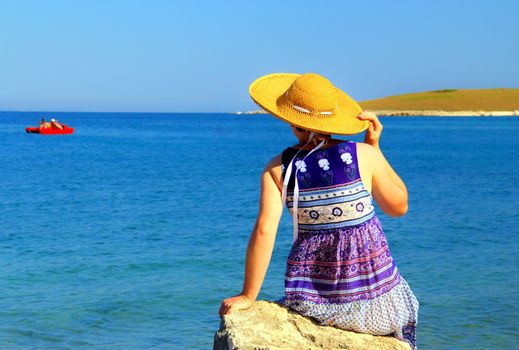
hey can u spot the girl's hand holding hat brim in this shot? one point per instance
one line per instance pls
(374, 130)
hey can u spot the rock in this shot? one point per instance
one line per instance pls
(269, 326)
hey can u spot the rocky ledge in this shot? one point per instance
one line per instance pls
(269, 326)
(438, 113)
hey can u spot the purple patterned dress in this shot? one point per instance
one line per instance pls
(340, 271)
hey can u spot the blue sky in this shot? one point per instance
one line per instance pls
(201, 56)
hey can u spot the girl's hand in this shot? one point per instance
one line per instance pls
(237, 302)
(374, 130)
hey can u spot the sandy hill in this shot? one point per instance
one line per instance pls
(449, 100)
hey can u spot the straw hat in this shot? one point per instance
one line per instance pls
(309, 101)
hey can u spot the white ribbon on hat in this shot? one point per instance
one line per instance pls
(304, 110)
(286, 180)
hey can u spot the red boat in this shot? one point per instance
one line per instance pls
(50, 130)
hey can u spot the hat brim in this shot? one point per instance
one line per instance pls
(266, 90)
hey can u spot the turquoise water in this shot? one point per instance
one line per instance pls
(129, 233)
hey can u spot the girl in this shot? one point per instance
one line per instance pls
(339, 271)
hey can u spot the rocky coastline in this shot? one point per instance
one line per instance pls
(430, 113)
(440, 113)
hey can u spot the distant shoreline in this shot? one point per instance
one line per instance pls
(420, 113)
(440, 113)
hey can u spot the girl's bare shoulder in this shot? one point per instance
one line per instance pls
(364, 146)
(366, 152)
(368, 159)
(274, 162)
(273, 167)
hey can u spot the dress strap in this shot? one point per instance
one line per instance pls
(286, 180)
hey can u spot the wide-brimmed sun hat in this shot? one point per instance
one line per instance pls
(309, 101)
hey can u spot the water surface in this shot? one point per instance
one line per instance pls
(129, 233)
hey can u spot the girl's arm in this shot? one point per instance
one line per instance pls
(261, 241)
(389, 191)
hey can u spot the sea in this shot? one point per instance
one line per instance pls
(129, 233)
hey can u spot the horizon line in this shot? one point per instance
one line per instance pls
(113, 112)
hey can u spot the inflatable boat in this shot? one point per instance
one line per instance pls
(50, 131)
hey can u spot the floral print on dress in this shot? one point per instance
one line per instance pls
(349, 166)
(344, 148)
(346, 158)
(324, 164)
(301, 166)
(303, 175)
(351, 172)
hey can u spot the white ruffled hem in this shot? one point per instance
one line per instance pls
(394, 312)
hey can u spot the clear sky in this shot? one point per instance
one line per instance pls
(201, 56)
